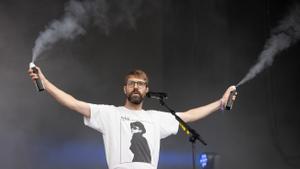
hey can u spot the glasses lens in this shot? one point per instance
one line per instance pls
(139, 83)
(130, 83)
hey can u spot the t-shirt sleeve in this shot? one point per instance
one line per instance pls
(100, 116)
(168, 124)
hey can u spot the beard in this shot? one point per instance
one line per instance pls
(135, 97)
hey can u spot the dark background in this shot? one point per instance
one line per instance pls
(191, 49)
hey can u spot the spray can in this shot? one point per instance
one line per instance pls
(230, 100)
(38, 83)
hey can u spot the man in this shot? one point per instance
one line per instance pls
(118, 124)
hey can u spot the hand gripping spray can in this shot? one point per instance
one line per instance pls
(38, 83)
(230, 100)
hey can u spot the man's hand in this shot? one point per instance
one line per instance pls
(36, 74)
(225, 97)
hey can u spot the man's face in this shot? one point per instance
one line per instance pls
(135, 90)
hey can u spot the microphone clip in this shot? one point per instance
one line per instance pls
(157, 95)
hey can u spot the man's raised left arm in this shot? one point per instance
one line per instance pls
(203, 111)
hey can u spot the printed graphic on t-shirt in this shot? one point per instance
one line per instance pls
(135, 140)
(139, 145)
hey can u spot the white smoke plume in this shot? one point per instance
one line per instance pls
(283, 36)
(105, 14)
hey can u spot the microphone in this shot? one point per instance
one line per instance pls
(157, 95)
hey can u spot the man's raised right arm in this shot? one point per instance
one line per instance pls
(60, 96)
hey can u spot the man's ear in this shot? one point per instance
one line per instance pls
(124, 89)
(147, 89)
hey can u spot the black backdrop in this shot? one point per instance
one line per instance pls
(191, 49)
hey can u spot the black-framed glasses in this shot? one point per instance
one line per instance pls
(140, 84)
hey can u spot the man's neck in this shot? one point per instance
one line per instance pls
(132, 106)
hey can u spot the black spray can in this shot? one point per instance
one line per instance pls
(38, 83)
(230, 100)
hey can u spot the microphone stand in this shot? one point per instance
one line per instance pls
(193, 135)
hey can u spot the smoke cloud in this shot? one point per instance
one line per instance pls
(105, 14)
(282, 37)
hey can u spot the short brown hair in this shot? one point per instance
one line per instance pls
(137, 73)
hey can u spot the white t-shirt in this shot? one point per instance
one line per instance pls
(131, 137)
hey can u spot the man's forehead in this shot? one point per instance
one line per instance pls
(133, 78)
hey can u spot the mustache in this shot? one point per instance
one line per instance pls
(135, 91)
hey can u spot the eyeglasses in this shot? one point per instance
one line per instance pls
(140, 84)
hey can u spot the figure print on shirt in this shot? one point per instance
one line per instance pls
(139, 145)
(136, 139)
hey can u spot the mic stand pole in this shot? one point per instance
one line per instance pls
(193, 135)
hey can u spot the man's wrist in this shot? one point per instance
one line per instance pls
(222, 104)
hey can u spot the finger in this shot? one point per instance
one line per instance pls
(32, 74)
(38, 68)
(34, 78)
(30, 71)
(230, 89)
